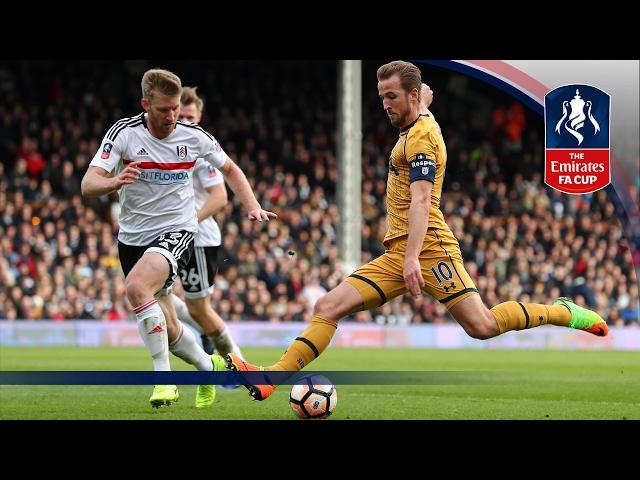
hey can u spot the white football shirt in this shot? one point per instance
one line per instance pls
(206, 175)
(162, 199)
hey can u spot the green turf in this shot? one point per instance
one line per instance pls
(533, 385)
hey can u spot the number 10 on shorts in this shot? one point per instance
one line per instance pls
(443, 274)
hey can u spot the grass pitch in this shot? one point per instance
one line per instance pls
(532, 384)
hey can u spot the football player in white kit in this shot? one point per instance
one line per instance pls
(150, 159)
(199, 274)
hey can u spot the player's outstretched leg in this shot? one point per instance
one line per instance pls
(206, 394)
(237, 364)
(164, 395)
(343, 299)
(514, 315)
(583, 319)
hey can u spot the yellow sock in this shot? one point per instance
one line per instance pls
(518, 316)
(308, 346)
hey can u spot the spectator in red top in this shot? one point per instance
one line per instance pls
(515, 122)
(35, 162)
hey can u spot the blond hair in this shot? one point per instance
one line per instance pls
(163, 81)
(410, 76)
(189, 96)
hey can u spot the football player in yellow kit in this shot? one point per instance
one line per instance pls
(422, 254)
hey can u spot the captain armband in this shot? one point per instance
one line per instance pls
(422, 168)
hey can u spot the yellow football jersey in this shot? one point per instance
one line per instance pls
(419, 153)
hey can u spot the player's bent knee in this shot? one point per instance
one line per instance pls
(476, 319)
(137, 293)
(481, 331)
(327, 308)
(477, 332)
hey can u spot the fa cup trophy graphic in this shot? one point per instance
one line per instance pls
(577, 117)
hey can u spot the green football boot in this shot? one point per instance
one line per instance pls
(164, 395)
(583, 319)
(206, 394)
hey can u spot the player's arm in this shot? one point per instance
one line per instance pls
(99, 178)
(97, 181)
(235, 177)
(421, 156)
(238, 182)
(418, 225)
(217, 200)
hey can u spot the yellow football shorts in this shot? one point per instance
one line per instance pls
(443, 271)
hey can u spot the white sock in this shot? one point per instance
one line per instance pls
(188, 349)
(224, 343)
(184, 315)
(153, 330)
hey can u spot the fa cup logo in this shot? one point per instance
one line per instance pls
(576, 117)
(577, 141)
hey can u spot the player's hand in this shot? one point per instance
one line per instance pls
(259, 214)
(128, 175)
(413, 276)
(426, 95)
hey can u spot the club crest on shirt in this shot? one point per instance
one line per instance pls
(182, 151)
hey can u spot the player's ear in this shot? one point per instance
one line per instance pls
(145, 104)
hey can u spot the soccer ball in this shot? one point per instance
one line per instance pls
(313, 396)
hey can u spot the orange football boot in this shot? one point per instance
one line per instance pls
(258, 392)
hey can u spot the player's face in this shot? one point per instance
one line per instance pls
(395, 101)
(190, 113)
(162, 113)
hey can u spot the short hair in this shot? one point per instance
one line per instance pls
(164, 81)
(410, 76)
(189, 96)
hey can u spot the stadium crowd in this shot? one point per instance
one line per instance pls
(520, 239)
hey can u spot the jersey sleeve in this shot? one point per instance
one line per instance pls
(212, 152)
(110, 152)
(421, 154)
(208, 175)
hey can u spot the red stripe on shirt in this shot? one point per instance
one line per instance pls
(163, 166)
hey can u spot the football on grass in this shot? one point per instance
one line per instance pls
(313, 396)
